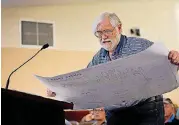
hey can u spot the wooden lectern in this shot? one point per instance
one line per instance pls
(20, 108)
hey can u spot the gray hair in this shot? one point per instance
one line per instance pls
(114, 20)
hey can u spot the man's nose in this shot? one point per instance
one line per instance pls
(104, 37)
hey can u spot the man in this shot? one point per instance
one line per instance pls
(95, 117)
(108, 29)
(170, 112)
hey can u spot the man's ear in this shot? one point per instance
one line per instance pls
(119, 28)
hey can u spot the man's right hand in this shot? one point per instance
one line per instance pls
(50, 93)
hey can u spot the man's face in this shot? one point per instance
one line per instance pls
(169, 110)
(108, 35)
(99, 114)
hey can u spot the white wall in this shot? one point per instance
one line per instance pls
(156, 19)
(177, 18)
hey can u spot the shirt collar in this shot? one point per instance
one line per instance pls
(171, 118)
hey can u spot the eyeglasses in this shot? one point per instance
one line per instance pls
(107, 32)
(97, 110)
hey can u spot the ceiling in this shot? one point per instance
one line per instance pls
(15, 3)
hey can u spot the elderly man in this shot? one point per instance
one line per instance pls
(170, 112)
(95, 117)
(148, 111)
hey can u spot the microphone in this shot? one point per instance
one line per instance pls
(45, 46)
(8, 81)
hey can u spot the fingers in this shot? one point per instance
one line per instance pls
(50, 93)
(170, 54)
(176, 60)
(173, 56)
(89, 117)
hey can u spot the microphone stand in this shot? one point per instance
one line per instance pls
(8, 81)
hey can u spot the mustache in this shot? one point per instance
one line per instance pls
(106, 41)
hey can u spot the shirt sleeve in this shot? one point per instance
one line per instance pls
(92, 63)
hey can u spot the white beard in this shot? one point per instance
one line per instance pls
(112, 45)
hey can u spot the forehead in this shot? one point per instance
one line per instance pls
(104, 24)
(167, 105)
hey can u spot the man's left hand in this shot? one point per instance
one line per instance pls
(173, 56)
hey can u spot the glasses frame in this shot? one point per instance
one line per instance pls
(107, 32)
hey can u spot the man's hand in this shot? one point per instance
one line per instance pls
(173, 56)
(50, 93)
(88, 118)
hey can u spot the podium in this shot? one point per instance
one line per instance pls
(20, 108)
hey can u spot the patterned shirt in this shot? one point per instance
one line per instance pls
(127, 46)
